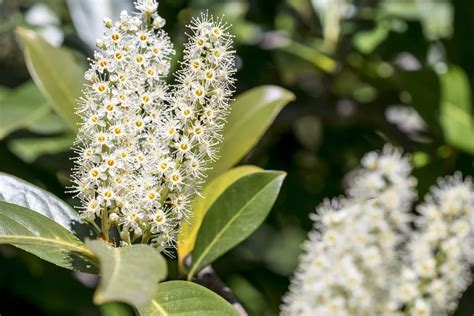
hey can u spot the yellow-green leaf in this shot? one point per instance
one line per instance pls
(251, 114)
(201, 204)
(56, 74)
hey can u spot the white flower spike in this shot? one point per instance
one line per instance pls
(144, 145)
(364, 257)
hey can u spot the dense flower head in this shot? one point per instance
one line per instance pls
(144, 145)
(352, 246)
(436, 270)
(368, 254)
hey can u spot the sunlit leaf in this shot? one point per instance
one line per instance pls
(39, 235)
(55, 72)
(183, 298)
(235, 215)
(130, 274)
(455, 116)
(251, 115)
(17, 191)
(201, 204)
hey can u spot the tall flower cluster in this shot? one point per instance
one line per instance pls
(437, 267)
(363, 256)
(144, 145)
(352, 246)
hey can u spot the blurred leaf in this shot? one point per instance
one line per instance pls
(288, 240)
(248, 295)
(201, 204)
(39, 235)
(17, 191)
(56, 74)
(436, 16)
(29, 149)
(367, 41)
(130, 274)
(330, 13)
(455, 116)
(20, 108)
(252, 113)
(235, 215)
(116, 309)
(311, 55)
(87, 16)
(186, 298)
(50, 123)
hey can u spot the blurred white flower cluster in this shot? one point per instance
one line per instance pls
(144, 145)
(369, 254)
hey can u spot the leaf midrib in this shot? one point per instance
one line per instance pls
(158, 307)
(225, 228)
(33, 240)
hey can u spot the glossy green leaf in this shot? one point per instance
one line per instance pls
(183, 298)
(17, 191)
(455, 117)
(251, 115)
(235, 215)
(130, 274)
(20, 108)
(201, 204)
(39, 235)
(55, 72)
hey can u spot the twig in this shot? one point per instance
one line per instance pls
(208, 278)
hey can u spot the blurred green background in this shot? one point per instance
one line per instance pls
(364, 73)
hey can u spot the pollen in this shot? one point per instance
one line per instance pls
(115, 37)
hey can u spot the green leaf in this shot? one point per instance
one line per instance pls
(29, 149)
(455, 112)
(201, 204)
(37, 234)
(17, 191)
(235, 215)
(56, 74)
(252, 113)
(50, 123)
(186, 299)
(130, 274)
(20, 108)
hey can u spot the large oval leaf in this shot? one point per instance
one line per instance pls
(37, 234)
(16, 191)
(201, 204)
(56, 74)
(186, 299)
(130, 274)
(251, 114)
(235, 215)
